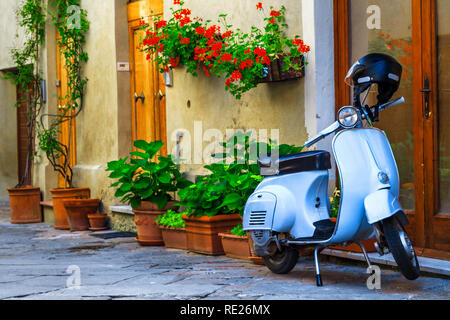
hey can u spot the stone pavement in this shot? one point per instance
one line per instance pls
(34, 260)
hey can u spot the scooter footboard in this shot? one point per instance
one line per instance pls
(382, 204)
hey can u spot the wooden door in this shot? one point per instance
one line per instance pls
(417, 34)
(67, 135)
(147, 85)
(432, 88)
(23, 123)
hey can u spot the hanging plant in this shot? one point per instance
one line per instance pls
(243, 59)
(72, 37)
(27, 76)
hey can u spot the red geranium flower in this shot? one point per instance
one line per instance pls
(200, 30)
(272, 20)
(259, 6)
(175, 2)
(185, 40)
(274, 13)
(226, 57)
(161, 24)
(185, 21)
(227, 34)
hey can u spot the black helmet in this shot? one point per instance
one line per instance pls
(376, 68)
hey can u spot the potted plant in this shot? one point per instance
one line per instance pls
(148, 186)
(78, 211)
(25, 199)
(173, 229)
(243, 59)
(369, 244)
(215, 204)
(70, 43)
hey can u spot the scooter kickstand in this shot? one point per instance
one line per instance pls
(316, 261)
(365, 254)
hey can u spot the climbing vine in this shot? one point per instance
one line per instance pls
(72, 24)
(31, 18)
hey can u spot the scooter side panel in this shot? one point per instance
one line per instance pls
(296, 207)
(361, 155)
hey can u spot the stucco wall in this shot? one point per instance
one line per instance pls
(269, 106)
(8, 134)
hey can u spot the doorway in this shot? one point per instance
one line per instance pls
(148, 99)
(417, 34)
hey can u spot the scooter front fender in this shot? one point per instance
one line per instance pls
(382, 204)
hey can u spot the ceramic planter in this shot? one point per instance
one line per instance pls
(58, 196)
(97, 221)
(203, 232)
(354, 247)
(78, 210)
(174, 237)
(235, 246)
(25, 205)
(275, 73)
(149, 233)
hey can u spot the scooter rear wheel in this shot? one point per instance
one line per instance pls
(401, 248)
(282, 261)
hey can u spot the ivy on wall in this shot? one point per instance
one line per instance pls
(72, 24)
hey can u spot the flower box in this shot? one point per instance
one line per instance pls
(203, 232)
(275, 73)
(235, 246)
(174, 237)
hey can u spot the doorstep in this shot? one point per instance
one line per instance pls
(122, 209)
(430, 265)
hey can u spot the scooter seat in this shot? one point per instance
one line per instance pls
(299, 162)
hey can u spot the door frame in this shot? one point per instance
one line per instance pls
(425, 130)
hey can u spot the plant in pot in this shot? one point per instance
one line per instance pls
(147, 185)
(70, 43)
(25, 199)
(98, 221)
(243, 59)
(173, 229)
(239, 170)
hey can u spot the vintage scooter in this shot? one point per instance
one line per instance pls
(289, 210)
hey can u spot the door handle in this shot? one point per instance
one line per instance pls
(426, 93)
(136, 97)
(161, 95)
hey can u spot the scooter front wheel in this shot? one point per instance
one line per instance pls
(401, 248)
(282, 261)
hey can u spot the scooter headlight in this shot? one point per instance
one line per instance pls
(348, 117)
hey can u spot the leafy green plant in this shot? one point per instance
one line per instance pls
(242, 58)
(143, 179)
(27, 76)
(239, 231)
(71, 40)
(233, 178)
(171, 219)
(334, 203)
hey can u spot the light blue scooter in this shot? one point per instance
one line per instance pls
(289, 210)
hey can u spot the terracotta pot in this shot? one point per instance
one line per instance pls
(354, 247)
(97, 221)
(203, 232)
(174, 237)
(78, 210)
(149, 233)
(253, 257)
(25, 205)
(58, 196)
(235, 246)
